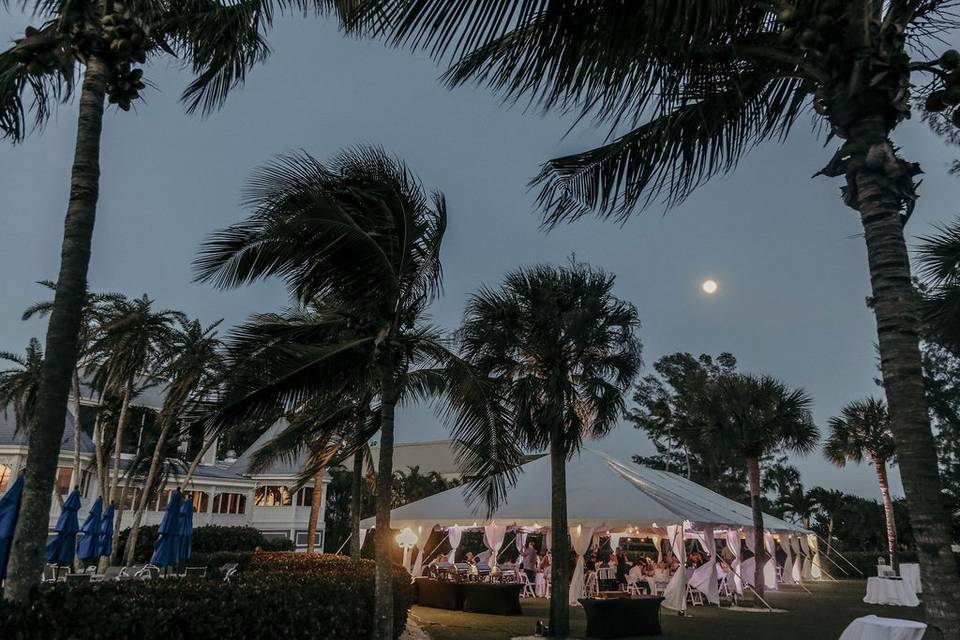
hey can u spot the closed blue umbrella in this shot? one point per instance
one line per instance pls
(88, 545)
(105, 543)
(63, 547)
(186, 530)
(9, 510)
(166, 550)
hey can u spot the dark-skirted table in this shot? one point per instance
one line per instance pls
(475, 597)
(622, 617)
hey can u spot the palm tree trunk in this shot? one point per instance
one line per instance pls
(356, 503)
(383, 592)
(829, 535)
(887, 511)
(152, 473)
(315, 511)
(118, 440)
(63, 328)
(76, 426)
(196, 463)
(103, 482)
(893, 304)
(759, 553)
(560, 563)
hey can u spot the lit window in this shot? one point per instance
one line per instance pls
(200, 501)
(64, 474)
(229, 503)
(6, 477)
(272, 496)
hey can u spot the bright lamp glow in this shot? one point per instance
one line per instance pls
(406, 538)
(709, 286)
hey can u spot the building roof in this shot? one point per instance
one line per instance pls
(8, 436)
(279, 467)
(150, 397)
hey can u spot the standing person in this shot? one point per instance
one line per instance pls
(531, 562)
(621, 565)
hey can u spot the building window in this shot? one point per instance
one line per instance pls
(300, 539)
(163, 498)
(6, 477)
(200, 501)
(305, 497)
(64, 475)
(229, 503)
(272, 496)
(129, 498)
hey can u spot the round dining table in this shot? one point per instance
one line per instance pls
(877, 628)
(893, 591)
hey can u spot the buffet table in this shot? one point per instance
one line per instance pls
(622, 617)
(890, 591)
(475, 597)
(877, 628)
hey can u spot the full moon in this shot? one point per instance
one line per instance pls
(709, 286)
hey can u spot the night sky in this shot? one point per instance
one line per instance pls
(787, 254)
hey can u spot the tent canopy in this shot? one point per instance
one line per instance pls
(602, 492)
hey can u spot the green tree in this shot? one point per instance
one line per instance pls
(687, 89)
(99, 44)
(863, 430)
(827, 504)
(131, 346)
(193, 367)
(564, 351)
(940, 270)
(358, 240)
(756, 416)
(20, 385)
(672, 408)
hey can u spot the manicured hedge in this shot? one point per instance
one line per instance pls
(209, 539)
(277, 595)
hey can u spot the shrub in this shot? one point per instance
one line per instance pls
(208, 539)
(278, 595)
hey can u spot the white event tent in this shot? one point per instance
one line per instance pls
(606, 496)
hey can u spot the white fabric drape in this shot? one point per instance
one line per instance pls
(797, 560)
(580, 537)
(656, 543)
(454, 534)
(493, 535)
(704, 578)
(733, 544)
(786, 576)
(615, 540)
(423, 534)
(806, 571)
(815, 570)
(770, 569)
(748, 567)
(548, 540)
(363, 536)
(675, 595)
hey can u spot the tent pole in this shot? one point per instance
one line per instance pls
(436, 547)
(823, 555)
(343, 545)
(747, 586)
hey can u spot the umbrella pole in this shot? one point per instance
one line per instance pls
(337, 552)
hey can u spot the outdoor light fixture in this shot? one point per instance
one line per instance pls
(406, 539)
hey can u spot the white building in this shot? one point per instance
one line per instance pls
(224, 491)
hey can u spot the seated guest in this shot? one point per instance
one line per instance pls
(545, 563)
(648, 566)
(674, 564)
(469, 559)
(695, 560)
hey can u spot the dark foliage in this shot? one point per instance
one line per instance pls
(208, 539)
(279, 595)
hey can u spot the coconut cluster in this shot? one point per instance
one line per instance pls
(124, 85)
(124, 36)
(36, 51)
(813, 27)
(947, 97)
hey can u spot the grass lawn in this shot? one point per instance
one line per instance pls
(821, 616)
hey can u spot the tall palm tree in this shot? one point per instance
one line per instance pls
(20, 385)
(687, 89)
(757, 416)
(132, 342)
(940, 269)
(99, 44)
(863, 430)
(564, 351)
(193, 369)
(92, 305)
(358, 240)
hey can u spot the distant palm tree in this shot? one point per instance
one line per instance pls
(130, 347)
(20, 385)
(862, 430)
(940, 269)
(686, 89)
(191, 370)
(92, 306)
(564, 351)
(799, 504)
(757, 416)
(828, 503)
(357, 241)
(98, 45)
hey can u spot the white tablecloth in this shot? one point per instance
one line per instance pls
(876, 628)
(890, 591)
(910, 572)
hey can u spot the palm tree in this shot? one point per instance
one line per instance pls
(828, 503)
(863, 430)
(194, 368)
(99, 44)
(940, 269)
(93, 304)
(20, 384)
(564, 351)
(357, 242)
(689, 88)
(756, 416)
(799, 504)
(131, 345)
